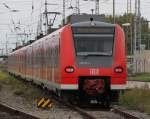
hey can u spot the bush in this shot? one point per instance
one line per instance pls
(137, 99)
(140, 77)
(19, 87)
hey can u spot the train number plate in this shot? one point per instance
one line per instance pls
(94, 71)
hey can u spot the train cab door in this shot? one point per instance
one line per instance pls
(48, 64)
(36, 61)
(41, 61)
(32, 63)
(52, 60)
(25, 63)
(46, 60)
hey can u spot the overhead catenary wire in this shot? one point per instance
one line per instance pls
(36, 10)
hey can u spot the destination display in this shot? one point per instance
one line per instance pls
(94, 30)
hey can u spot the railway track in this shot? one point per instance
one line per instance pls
(124, 114)
(115, 113)
(7, 112)
(99, 113)
(137, 84)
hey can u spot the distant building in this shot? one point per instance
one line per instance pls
(142, 62)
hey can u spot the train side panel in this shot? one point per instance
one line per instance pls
(67, 56)
(50, 60)
(119, 79)
(39, 61)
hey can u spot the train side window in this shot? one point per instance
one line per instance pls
(30, 58)
(39, 61)
(36, 58)
(56, 56)
(47, 58)
(50, 56)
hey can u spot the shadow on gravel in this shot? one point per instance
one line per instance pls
(95, 107)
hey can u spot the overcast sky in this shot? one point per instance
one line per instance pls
(28, 18)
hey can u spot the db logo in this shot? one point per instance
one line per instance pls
(94, 71)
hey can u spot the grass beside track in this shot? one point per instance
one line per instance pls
(140, 77)
(136, 99)
(2, 65)
(19, 87)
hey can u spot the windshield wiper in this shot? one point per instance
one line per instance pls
(94, 54)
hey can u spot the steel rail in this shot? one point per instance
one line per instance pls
(85, 114)
(13, 111)
(124, 114)
(74, 107)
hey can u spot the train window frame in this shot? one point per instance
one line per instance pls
(112, 29)
(113, 33)
(96, 38)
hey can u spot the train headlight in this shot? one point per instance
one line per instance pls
(119, 69)
(69, 69)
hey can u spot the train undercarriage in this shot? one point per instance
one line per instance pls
(92, 91)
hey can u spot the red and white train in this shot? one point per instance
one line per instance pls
(85, 60)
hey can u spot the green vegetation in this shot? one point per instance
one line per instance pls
(19, 87)
(2, 66)
(136, 99)
(140, 77)
(0, 87)
(126, 18)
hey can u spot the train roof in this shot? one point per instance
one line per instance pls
(76, 18)
(78, 24)
(93, 23)
(37, 41)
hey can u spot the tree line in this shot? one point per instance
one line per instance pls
(129, 30)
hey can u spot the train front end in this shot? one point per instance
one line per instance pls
(94, 64)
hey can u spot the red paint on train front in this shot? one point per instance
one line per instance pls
(59, 48)
(67, 56)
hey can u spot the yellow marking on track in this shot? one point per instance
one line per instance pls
(40, 102)
(50, 105)
(45, 103)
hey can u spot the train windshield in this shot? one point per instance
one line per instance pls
(94, 44)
